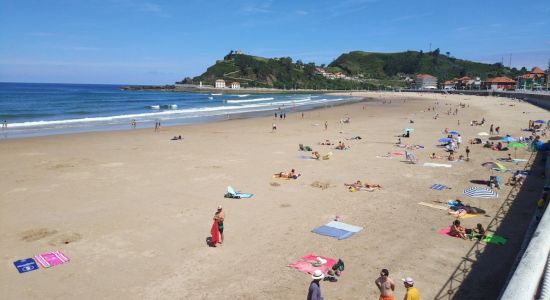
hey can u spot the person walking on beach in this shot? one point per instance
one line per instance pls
(491, 130)
(497, 129)
(133, 123)
(5, 124)
(458, 141)
(467, 153)
(219, 216)
(386, 285)
(273, 127)
(326, 125)
(314, 292)
(412, 292)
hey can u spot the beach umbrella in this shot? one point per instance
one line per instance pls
(480, 192)
(540, 121)
(408, 129)
(483, 134)
(454, 133)
(508, 139)
(515, 146)
(444, 140)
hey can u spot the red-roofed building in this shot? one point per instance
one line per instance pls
(502, 83)
(534, 80)
(425, 81)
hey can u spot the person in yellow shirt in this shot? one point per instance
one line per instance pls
(412, 292)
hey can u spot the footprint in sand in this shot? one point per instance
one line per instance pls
(321, 185)
(36, 234)
(65, 239)
(274, 184)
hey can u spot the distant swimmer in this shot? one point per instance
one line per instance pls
(5, 124)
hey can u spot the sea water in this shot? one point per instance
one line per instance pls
(33, 109)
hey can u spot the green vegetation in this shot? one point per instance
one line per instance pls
(396, 65)
(364, 70)
(283, 73)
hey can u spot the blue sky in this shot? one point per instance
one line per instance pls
(157, 42)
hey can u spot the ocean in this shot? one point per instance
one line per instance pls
(36, 109)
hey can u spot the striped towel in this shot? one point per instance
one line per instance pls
(50, 259)
(439, 187)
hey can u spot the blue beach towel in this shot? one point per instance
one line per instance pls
(25, 265)
(338, 234)
(239, 194)
(439, 187)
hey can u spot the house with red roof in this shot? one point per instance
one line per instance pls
(425, 82)
(534, 80)
(501, 83)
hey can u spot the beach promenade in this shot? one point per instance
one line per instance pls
(132, 209)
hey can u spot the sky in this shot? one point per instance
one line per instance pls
(159, 42)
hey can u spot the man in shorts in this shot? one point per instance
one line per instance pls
(386, 285)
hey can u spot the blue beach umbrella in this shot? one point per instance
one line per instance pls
(540, 121)
(480, 192)
(444, 140)
(454, 133)
(507, 139)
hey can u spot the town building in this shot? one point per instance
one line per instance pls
(449, 85)
(220, 84)
(425, 82)
(534, 80)
(235, 85)
(502, 83)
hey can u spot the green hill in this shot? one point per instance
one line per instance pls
(391, 65)
(254, 71)
(362, 70)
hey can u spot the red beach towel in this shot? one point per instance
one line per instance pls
(215, 234)
(304, 264)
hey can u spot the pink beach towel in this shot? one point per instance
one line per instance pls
(304, 264)
(50, 259)
(444, 231)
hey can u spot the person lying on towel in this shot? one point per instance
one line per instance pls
(288, 175)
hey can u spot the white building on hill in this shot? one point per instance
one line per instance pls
(220, 84)
(235, 85)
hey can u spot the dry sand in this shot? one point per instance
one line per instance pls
(132, 209)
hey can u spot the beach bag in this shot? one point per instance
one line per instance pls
(339, 266)
(229, 195)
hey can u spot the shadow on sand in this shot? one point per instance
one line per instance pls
(484, 269)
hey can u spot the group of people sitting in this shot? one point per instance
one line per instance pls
(516, 179)
(359, 186)
(287, 175)
(176, 138)
(497, 147)
(460, 231)
(326, 143)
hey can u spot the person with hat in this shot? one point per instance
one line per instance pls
(412, 292)
(314, 292)
(219, 216)
(386, 285)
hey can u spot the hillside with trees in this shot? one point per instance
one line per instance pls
(354, 70)
(392, 65)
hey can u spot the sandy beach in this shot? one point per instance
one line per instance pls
(132, 209)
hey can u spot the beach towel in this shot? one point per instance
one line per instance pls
(338, 234)
(25, 265)
(326, 156)
(434, 205)
(344, 226)
(494, 239)
(231, 191)
(435, 165)
(51, 259)
(214, 234)
(304, 264)
(439, 187)
(337, 230)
